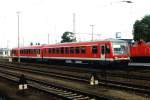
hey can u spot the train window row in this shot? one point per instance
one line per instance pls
(66, 50)
(70, 50)
(14, 51)
(30, 51)
(27, 51)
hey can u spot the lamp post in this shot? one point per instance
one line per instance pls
(92, 31)
(48, 38)
(74, 22)
(18, 38)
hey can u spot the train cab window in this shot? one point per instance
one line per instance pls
(62, 50)
(107, 48)
(120, 48)
(77, 50)
(83, 50)
(94, 49)
(66, 50)
(71, 50)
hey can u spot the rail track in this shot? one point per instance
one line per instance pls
(107, 80)
(61, 91)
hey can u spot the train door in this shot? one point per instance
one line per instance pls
(102, 54)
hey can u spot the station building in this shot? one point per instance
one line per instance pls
(4, 52)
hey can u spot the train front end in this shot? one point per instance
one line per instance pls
(120, 52)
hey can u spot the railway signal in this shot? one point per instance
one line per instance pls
(23, 83)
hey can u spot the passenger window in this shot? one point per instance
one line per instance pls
(66, 50)
(94, 49)
(34, 51)
(77, 50)
(62, 50)
(29, 51)
(83, 50)
(53, 50)
(39, 51)
(57, 50)
(49, 51)
(71, 50)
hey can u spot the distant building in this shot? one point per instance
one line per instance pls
(4, 52)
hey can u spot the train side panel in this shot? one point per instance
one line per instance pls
(95, 53)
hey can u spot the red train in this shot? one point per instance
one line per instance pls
(106, 52)
(140, 52)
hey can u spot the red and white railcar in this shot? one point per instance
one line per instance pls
(97, 52)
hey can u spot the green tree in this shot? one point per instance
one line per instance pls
(68, 37)
(141, 29)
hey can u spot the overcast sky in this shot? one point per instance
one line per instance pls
(38, 18)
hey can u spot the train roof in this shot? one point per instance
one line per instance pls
(72, 44)
(83, 43)
(29, 47)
